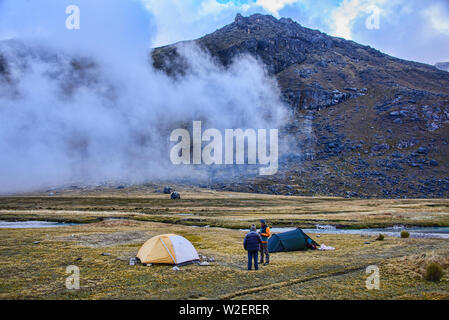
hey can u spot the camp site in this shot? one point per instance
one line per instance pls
(137, 243)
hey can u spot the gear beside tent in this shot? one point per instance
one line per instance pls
(294, 240)
(168, 249)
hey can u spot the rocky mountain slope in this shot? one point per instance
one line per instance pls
(378, 124)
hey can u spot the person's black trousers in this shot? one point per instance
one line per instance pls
(264, 251)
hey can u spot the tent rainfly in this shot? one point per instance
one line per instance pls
(294, 240)
(168, 249)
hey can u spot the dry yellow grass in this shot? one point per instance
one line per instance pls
(225, 209)
(35, 271)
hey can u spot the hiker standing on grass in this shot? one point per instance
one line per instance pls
(252, 243)
(265, 234)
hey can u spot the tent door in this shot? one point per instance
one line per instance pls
(167, 250)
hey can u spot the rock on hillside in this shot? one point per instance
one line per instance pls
(442, 66)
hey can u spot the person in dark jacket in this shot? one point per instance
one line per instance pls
(252, 243)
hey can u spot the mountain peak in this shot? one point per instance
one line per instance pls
(255, 18)
(260, 22)
(261, 19)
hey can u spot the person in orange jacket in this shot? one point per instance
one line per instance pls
(265, 234)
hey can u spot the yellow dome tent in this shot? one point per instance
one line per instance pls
(167, 249)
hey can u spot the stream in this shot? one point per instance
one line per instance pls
(33, 224)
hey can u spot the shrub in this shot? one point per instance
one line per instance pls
(434, 272)
(381, 237)
(405, 234)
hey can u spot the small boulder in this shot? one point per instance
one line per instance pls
(423, 150)
(175, 196)
(380, 147)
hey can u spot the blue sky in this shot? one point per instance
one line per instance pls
(410, 29)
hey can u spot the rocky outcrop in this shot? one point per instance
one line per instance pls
(2, 65)
(442, 66)
(4, 69)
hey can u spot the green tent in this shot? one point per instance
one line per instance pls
(290, 241)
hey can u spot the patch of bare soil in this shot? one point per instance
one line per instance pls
(113, 223)
(98, 240)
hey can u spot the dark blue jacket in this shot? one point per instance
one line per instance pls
(252, 241)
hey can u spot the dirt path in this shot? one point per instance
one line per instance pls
(291, 282)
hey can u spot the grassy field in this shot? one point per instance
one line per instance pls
(31, 270)
(201, 207)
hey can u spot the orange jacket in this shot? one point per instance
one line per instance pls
(265, 233)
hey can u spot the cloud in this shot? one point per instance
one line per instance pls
(344, 16)
(438, 15)
(67, 118)
(409, 29)
(107, 24)
(274, 6)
